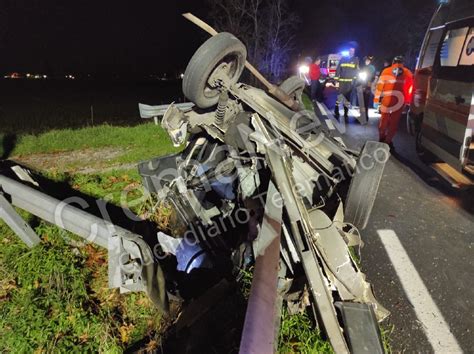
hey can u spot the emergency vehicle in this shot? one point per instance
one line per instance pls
(329, 65)
(442, 108)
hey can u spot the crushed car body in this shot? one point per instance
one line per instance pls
(241, 143)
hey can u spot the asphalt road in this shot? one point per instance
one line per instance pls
(435, 226)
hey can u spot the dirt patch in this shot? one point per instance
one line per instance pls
(78, 161)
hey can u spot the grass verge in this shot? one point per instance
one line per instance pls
(298, 335)
(308, 104)
(55, 297)
(138, 143)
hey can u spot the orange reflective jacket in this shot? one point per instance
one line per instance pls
(394, 87)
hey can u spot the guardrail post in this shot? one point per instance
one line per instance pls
(17, 224)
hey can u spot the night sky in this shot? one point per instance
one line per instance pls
(137, 37)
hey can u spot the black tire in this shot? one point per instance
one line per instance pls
(294, 87)
(365, 183)
(221, 48)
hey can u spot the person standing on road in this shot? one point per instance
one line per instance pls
(392, 93)
(386, 64)
(367, 76)
(315, 75)
(346, 76)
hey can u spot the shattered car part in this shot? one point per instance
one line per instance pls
(361, 327)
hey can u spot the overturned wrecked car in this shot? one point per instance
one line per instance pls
(253, 173)
(258, 184)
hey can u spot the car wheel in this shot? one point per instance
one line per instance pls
(294, 87)
(219, 61)
(365, 183)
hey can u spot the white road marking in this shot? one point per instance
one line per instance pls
(322, 109)
(330, 125)
(335, 123)
(435, 327)
(354, 113)
(326, 109)
(373, 113)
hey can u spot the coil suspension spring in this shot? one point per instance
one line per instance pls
(221, 107)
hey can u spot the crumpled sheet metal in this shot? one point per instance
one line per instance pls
(339, 266)
(278, 157)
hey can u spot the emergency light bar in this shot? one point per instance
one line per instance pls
(345, 53)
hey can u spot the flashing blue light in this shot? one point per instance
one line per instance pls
(345, 53)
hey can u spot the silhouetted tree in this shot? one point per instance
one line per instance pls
(267, 27)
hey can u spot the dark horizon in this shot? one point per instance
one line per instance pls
(104, 38)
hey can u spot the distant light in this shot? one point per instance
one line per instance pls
(28, 75)
(345, 53)
(363, 76)
(181, 76)
(303, 69)
(45, 76)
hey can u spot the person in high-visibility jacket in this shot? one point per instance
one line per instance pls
(392, 93)
(346, 76)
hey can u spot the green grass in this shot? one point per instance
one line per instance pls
(386, 332)
(308, 104)
(120, 187)
(55, 297)
(139, 142)
(298, 335)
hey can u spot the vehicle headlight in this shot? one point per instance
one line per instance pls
(304, 69)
